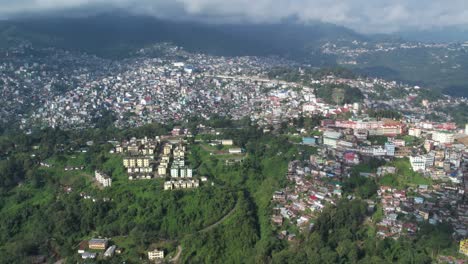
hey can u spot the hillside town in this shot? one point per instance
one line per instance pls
(395, 147)
(178, 84)
(423, 175)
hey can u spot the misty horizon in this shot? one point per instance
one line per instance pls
(380, 16)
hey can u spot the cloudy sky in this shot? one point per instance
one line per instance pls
(368, 16)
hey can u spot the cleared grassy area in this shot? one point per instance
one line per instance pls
(405, 176)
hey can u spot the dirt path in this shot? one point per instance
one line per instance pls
(208, 228)
(175, 259)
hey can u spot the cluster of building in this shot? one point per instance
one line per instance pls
(309, 194)
(90, 249)
(73, 89)
(436, 151)
(435, 204)
(139, 159)
(180, 173)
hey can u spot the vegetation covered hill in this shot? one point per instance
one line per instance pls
(226, 222)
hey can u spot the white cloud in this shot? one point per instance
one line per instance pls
(381, 16)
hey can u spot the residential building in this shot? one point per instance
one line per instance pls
(235, 151)
(103, 179)
(98, 243)
(88, 255)
(227, 142)
(155, 254)
(418, 163)
(443, 137)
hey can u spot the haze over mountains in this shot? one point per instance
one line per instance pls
(118, 35)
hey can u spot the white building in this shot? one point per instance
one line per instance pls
(442, 137)
(103, 179)
(155, 254)
(174, 172)
(415, 132)
(418, 163)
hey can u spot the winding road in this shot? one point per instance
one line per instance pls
(176, 258)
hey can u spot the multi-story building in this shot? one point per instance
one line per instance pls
(443, 137)
(103, 179)
(175, 172)
(390, 149)
(131, 162)
(415, 132)
(418, 163)
(162, 170)
(155, 254)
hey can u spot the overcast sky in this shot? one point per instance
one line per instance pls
(368, 16)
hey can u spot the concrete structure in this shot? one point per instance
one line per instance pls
(227, 142)
(98, 243)
(415, 132)
(103, 179)
(88, 255)
(418, 163)
(181, 184)
(155, 254)
(235, 151)
(390, 149)
(443, 137)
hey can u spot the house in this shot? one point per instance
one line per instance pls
(88, 255)
(312, 141)
(277, 219)
(279, 196)
(176, 131)
(155, 254)
(227, 142)
(235, 151)
(98, 243)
